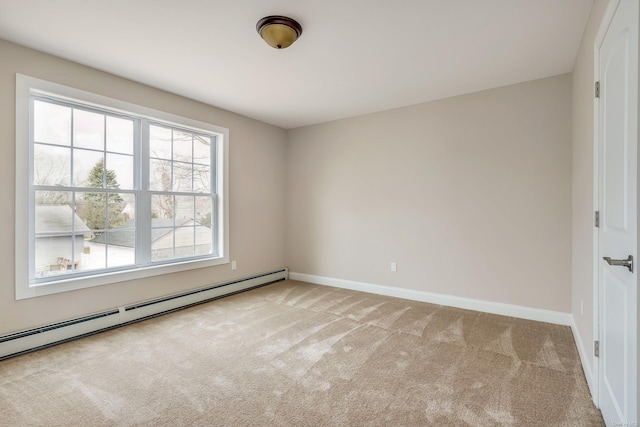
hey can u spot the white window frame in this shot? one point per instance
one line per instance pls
(27, 86)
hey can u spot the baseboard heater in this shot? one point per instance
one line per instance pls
(18, 343)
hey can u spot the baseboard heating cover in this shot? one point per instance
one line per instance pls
(21, 342)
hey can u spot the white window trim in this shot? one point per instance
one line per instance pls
(25, 87)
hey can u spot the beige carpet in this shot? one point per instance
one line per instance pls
(294, 354)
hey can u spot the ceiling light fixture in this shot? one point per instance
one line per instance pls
(279, 31)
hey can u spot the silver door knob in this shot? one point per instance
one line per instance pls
(621, 262)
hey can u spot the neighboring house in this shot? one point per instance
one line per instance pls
(60, 237)
(187, 237)
(129, 211)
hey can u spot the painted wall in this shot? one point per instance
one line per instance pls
(582, 184)
(471, 196)
(257, 187)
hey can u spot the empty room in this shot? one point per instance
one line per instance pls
(320, 213)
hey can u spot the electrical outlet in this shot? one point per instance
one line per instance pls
(394, 266)
(233, 265)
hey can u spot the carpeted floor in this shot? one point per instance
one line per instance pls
(295, 354)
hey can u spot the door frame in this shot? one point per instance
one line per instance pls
(602, 31)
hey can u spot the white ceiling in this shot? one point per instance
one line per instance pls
(354, 56)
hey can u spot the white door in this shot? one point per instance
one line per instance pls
(617, 184)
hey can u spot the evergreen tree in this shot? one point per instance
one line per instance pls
(99, 203)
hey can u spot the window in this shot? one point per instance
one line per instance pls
(108, 191)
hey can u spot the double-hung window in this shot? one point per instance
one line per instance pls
(108, 191)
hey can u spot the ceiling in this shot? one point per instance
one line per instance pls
(354, 56)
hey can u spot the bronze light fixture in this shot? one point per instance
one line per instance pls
(279, 31)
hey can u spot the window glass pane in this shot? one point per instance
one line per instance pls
(119, 171)
(184, 208)
(55, 218)
(201, 179)
(129, 207)
(94, 253)
(182, 146)
(119, 135)
(160, 175)
(160, 142)
(161, 244)
(202, 149)
(203, 240)
(88, 168)
(91, 208)
(121, 245)
(115, 210)
(161, 208)
(204, 211)
(54, 255)
(88, 129)
(182, 176)
(51, 165)
(51, 123)
(96, 176)
(184, 242)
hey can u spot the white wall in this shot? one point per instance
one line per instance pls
(257, 182)
(582, 183)
(471, 196)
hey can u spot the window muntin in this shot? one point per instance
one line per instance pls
(90, 198)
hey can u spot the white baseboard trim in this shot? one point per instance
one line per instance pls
(540, 315)
(585, 355)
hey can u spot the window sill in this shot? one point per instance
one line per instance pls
(75, 283)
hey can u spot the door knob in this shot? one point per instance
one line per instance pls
(621, 262)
